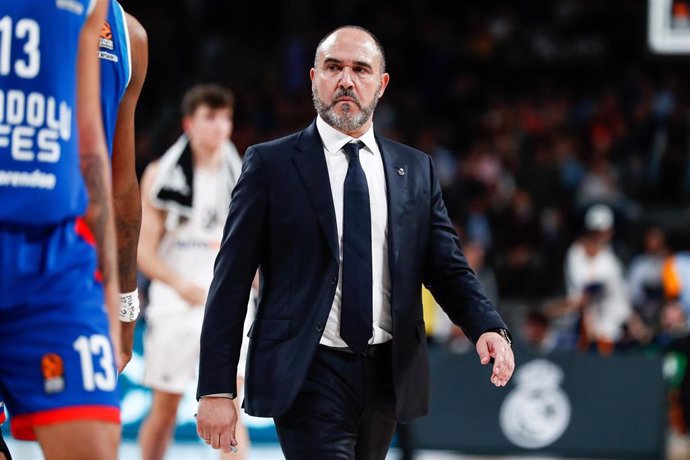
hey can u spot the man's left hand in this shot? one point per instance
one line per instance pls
(492, 345)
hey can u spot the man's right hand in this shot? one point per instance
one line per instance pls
(215, 422)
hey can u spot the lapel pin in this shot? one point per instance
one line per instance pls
(401, 172)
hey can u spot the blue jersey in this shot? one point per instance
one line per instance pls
(116, 68)
(40, 178)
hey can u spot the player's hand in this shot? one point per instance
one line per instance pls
(125, 358)
(492, 345)
(215, 422)
(191, 293)
(126, 344)
(115, 340)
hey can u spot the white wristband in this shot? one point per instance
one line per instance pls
(129, 306)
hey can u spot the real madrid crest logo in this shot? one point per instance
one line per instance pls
(537, 412)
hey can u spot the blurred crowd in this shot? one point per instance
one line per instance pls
(561, 142)
(532, 112)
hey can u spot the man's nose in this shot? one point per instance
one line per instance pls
(346, 78)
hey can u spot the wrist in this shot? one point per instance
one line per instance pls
(503, 333)
(129, 306)
(219, 395)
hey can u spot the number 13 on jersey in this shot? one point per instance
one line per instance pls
(89, 348)
(28, 63)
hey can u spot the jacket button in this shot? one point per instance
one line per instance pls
(319, 327)
(334, 281)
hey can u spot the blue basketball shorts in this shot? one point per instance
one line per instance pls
(56, 357)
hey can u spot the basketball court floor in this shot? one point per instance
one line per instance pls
(678, 449)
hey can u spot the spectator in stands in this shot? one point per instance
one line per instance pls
(676, 279)
(518, 238)
(644, 278)
(597, 294)
(537, 335)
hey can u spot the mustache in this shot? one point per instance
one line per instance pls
(347, 92)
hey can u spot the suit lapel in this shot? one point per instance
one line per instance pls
(396, 174)
(311, 166)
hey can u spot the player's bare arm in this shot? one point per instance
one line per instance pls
(152, 232)
(94, 163)
(127, 199)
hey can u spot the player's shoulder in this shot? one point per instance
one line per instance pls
(137, 32)
(150, 172)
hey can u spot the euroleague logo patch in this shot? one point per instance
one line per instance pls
(53, 370)
(106, 43)
(106, 40)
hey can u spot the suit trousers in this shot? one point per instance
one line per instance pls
(345, 409)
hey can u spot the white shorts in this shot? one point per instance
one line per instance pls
(171, 348)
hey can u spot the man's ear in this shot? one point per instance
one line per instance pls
(385, 79)
(186, 124)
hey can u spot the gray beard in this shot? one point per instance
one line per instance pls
(346, 122)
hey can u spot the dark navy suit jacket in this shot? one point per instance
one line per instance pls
(282, 220)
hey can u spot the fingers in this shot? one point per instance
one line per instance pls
(125, 358)
(504, 365)
(228, 442)
(200, 431)
(215, 440)
(119, 364)
(216, 419)
(483, 350)
(492, 347)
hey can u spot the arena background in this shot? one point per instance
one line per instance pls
(533, 110)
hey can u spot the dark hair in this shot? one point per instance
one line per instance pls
(379, 47)
(210, 94)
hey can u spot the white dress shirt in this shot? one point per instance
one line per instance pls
(372, 163)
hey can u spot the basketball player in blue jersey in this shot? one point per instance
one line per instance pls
(58, 290)
(123, 53)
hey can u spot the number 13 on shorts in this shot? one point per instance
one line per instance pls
(96, 349)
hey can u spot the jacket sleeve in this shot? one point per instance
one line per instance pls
(449, 277)
(235, 267)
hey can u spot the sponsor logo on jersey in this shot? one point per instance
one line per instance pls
(33, 126)
(198, 244)
(73, 6)
(53, 370)
(108, 56)
(106, 41)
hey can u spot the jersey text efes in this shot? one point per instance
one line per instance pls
(40, 179)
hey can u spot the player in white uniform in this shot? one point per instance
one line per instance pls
(185, 198)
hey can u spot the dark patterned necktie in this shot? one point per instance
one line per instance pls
(356, 306)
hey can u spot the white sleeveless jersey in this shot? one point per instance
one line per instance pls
(190, 249)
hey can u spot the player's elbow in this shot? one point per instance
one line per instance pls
(91, 140)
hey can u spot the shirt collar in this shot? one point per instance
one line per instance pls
(333, 140)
